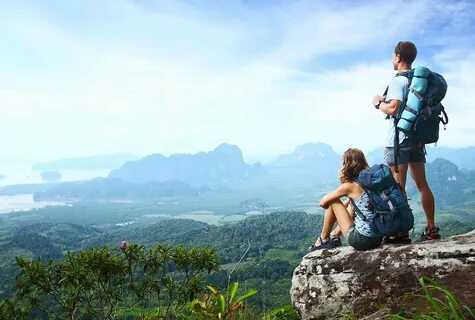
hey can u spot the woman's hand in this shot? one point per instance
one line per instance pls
(343, 190)
(324, 203)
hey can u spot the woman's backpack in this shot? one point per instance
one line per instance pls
(393, 214)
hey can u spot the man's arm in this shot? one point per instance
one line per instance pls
(390, 107)
(395, 94)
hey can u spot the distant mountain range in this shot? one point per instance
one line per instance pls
(464, 158)
(223, 166)
(311, 162)
(450, 185)
(99, 162)
(307, 168)
(309, 155)
(115, 189)
(222, 169)
(50, 176)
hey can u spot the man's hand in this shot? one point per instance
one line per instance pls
(391, 107)
(377, 100)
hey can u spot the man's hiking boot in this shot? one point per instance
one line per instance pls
(402, 238)
(430, 234)
(331, 243)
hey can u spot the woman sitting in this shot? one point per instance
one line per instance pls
(359, 232)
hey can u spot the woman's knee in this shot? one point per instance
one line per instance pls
(336, 202)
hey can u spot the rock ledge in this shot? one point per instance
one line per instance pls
(329, 283)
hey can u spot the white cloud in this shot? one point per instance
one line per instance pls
(459, 70)
(178, 78)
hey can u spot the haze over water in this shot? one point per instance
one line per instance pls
(23, 174)
(23, 202)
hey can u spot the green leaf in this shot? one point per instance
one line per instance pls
(222, 304)
(212, 289)
(247, 295)
(469, 311)
(233, 288)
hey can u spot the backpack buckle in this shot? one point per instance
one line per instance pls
(417, 94)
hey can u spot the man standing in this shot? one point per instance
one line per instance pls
(410, 155)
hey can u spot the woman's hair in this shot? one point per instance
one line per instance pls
(354, 161)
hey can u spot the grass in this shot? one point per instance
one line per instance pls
(442, 304)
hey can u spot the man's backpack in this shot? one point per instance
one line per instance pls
(422, 110)
(392, 213)
(421, 113)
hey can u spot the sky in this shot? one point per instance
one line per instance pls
(93, 77)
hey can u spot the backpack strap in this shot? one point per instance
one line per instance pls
(384, 95)
(409, 75)
(396, 147)
(353, 204)
(445, 118)
(357, 210)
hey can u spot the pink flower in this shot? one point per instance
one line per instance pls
(124, 245)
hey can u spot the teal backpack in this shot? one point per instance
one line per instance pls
(422, 112)
(392, 213)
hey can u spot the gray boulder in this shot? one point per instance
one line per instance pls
(330, 283)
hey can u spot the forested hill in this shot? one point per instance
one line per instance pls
(290, 230)
(276, 243)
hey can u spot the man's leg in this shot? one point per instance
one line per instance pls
(401, 178)
(401, 175)
(403, 158)
(418, 173)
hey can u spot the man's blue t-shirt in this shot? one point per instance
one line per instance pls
(398, 89)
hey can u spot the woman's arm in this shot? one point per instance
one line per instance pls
(343, 190)
(348, 206)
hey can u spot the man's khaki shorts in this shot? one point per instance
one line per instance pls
(407, 154)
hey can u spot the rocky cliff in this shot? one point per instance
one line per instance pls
(330, 283)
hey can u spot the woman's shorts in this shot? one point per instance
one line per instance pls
(361, 242)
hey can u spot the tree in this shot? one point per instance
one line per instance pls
(100, 283)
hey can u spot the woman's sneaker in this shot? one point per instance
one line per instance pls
(430, 234)
(331, 243)
(336, 241)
